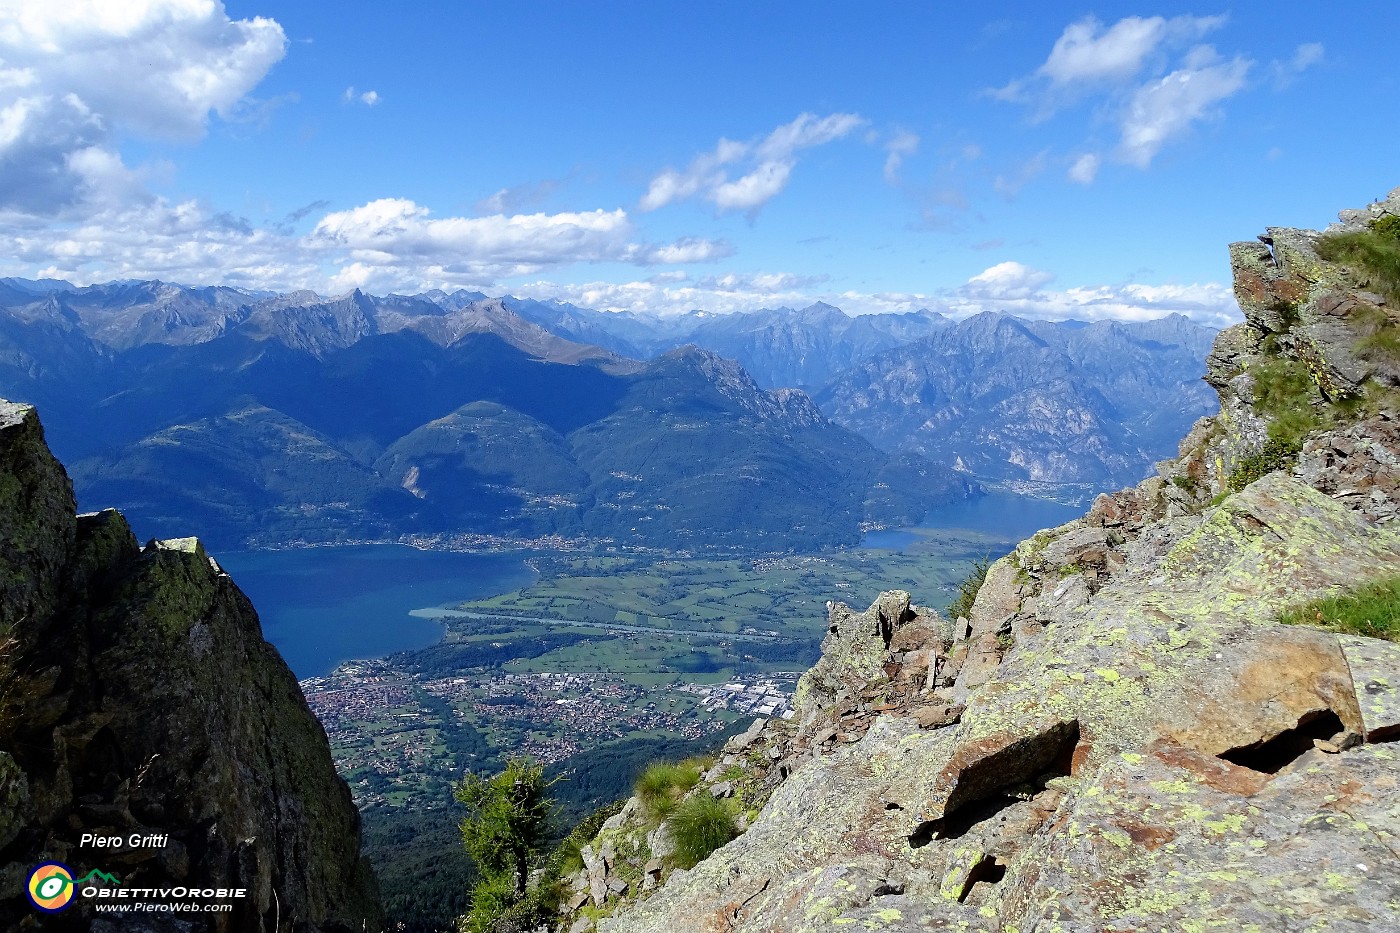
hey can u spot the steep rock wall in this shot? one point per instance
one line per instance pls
(137, 696)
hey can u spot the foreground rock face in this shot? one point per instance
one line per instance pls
(1121, 736)
(137, 696)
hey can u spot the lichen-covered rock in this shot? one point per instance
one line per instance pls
(1169, 841)
(140, 698)
(854, 652)
(1374, 667)
(1121, 736)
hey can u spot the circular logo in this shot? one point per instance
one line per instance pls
(51, 887)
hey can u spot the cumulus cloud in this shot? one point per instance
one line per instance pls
(399, 237)
(75, 76)
(1006, 280)
(1087, 54)
(1014, 288)
(397, 229)
(1149, 75)
(184, 242)
(388, 245)
(744, 176)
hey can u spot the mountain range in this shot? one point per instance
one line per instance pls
(991, 395)
(276, 419)
(272, 419)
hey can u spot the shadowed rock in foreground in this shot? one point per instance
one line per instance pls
(138, 697)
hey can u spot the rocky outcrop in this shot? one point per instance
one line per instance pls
(1121, 736)
(138, 699)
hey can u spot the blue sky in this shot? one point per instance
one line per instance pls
(1049, 159)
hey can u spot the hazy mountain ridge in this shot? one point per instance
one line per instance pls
(298, 418)
(803, 348)
(1029, 401)
(990, 396)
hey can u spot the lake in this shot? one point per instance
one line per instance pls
(321, 606)
(324, 605)
(1003, 514)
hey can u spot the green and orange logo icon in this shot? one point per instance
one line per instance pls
(51, 887)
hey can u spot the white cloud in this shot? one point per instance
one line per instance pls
(1087, 54)
(1082, 55)
(1013, 288)
(1164, 109)
(76, 75)
(1128, 67)
(396, 229)
(183, 242)
(400, 239)
(368, 98)
(764, 166)
(752, 191)
(688, 250)
(1006, 280)
(1085, 169)
(902, 145)
(1008, 287)
(1304, 57)
(386, 245)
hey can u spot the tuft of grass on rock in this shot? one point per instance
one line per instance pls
(1371, 609)
(1374, 254)
(698, 827)
(663, 784)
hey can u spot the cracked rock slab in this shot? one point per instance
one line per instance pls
(1375, 671)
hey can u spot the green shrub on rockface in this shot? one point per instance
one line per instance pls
(1274, 455)
(1372, 609)
(961, 606)
(699, 826)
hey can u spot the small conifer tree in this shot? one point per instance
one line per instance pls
(507, 821)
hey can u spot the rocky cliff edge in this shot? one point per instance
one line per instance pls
(1121, 736)
(138, 698)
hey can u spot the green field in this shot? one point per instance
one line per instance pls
(786, 595)
(601, 665)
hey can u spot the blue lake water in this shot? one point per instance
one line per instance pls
(1003, 514)
(321, 606)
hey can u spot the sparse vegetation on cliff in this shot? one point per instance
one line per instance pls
(961, 606)
(506, 825)
(700, 825)
(662, 785)
(1372, 609)
(1373, 253)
